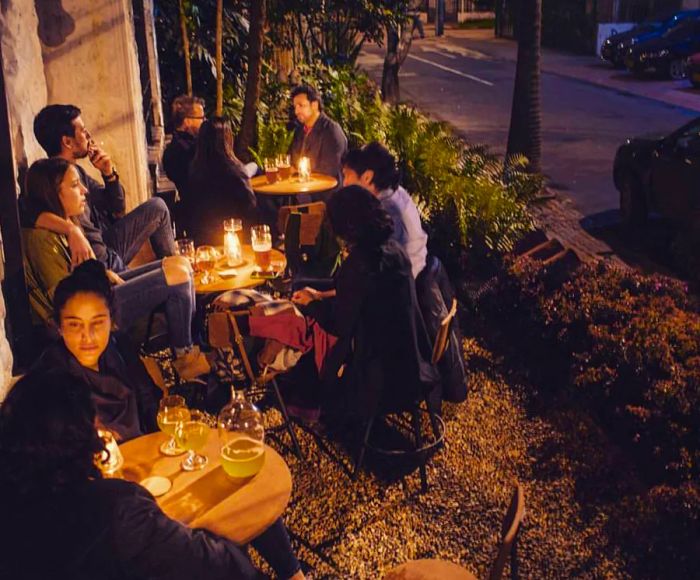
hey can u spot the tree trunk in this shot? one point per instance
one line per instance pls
(246, 135)
(397, 48)
(525, 135)
(186, 48)
(219, 58)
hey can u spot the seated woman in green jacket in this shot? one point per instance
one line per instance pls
(56, 184)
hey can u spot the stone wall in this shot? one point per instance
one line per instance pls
(90, 60)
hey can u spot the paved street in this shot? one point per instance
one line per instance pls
(466, 79)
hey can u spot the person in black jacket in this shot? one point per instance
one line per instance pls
(104, 232)
(218, 186)
(61, 519)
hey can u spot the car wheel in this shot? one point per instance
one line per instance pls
(677, 69)
(633, 207)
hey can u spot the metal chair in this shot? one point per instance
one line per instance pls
(259, 383)
(441, 569)
(421, 450)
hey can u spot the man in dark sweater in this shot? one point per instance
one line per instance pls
(187, 117)
(104, 231)
(317, 136)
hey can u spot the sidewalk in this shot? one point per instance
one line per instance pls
(589, 69)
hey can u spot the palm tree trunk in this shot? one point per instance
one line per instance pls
(219, 58)
(186, 48)
(246, 135)
(525, 134)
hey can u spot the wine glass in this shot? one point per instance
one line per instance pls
(185, 248)
(192, 434)
(171, 410)
(205, 261)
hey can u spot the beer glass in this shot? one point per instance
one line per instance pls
(261, 240)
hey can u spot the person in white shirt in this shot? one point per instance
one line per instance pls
(374, 168)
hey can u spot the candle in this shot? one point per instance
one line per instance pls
(232, 248)
(304, 169)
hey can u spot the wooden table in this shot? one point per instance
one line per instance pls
(238, 510)
(290, 187)
(243, 277)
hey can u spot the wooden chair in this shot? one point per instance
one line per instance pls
(259, 383)
(441, 569)
(421, 450)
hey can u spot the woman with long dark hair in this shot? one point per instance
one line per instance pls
(61, 519)
(56, 184)
(218, 187)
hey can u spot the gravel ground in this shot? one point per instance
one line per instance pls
(345, 529)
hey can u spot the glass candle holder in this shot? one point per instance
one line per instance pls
(304, 169)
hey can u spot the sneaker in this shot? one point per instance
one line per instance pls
(192, 364)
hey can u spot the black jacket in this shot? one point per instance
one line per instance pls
(177, 158)
(381, 332)
(108, 529)
(125, 399)
(325, 146)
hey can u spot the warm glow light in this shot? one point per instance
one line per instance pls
(304, 169)
(232, 249)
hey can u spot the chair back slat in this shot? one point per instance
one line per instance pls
(440, 345)
(509, 535)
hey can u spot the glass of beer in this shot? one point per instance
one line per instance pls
(205, 262)
(192, 434)
(271, 171)
(171, 411)
(185, 248)
(261, 240)
(284, 167)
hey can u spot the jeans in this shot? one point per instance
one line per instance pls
(417, 23)
(149, 221)
(273, 545)
(144, 289)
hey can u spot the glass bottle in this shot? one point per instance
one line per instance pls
(241, 437)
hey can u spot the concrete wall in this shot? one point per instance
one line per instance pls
(90, 60)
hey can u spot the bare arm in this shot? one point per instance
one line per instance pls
(80, 249)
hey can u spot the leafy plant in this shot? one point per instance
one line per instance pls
(274, 139)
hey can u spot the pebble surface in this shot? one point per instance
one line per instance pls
(357, 530)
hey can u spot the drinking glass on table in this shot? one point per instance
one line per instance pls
(284, 167)
(233, 225)
(261, 240)
(271, 171)
(192, 434)
(205, 261)
(185, 247)
(171, 411)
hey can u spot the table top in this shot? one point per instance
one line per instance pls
(292, 186)
(239, 510)
(242, 279)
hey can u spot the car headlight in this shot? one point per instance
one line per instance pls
(658, 53)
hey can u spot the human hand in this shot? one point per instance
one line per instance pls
(114, 278)
(100, 160)
(80, 248)
(305, 296)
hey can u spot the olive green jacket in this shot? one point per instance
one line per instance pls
(46, 263)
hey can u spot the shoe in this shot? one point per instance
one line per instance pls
(192, 364)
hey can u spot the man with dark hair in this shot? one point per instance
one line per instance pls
(374, 168)
(104, 232)
(187, 117)
(317, 136)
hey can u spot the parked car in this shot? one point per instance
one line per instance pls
(694, 69)
(615, 47)
(667, 54)
(660, 174)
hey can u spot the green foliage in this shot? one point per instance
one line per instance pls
(273, 139)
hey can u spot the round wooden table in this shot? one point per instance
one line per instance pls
(239, 510)
(318, 183)
(243, 278)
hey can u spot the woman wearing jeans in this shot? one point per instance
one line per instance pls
(56, 183)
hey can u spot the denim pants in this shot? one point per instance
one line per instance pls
(273, 545)
(144, 289)
(149, 221)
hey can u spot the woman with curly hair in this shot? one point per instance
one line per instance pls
(372, 309)
(61, 519)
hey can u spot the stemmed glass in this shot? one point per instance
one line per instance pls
(185, 248)
(192, 434)
(205, 261)
(171, 411)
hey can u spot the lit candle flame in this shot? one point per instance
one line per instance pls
(304, 169)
